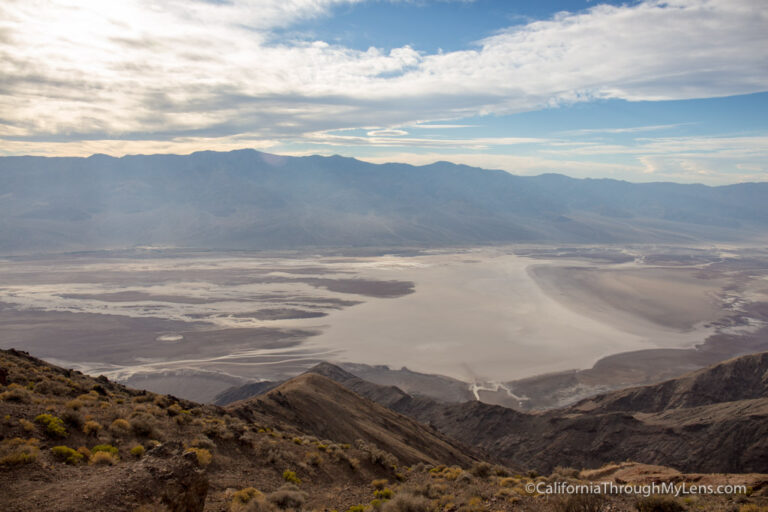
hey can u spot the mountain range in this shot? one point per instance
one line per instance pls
(246, 199)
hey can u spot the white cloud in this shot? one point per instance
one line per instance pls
(162, 74)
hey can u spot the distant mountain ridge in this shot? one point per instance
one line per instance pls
(246, 199)
(710, 420)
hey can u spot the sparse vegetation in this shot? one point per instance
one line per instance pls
(18, 451)
(103, 458)
(659, 504)
(288, 497)
(91, 428)
(54, 426)
(16, 393)
(406, 502)
(137, 451)
(204, 457)
(120, 428)
(67, 454)
(290, 476)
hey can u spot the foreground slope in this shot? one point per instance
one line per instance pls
(73, 442)
(251, 200)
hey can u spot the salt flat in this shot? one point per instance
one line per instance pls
(194, 324)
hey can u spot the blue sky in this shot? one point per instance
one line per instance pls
(642, 90)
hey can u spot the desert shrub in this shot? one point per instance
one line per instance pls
(72, 419)
(500, 471)
(751, 507)
(384, 494)
(246, 495)
(103, 458)
(481, 470)
(288, 497)
(143, 425)
(290, 476)
(464, 478)
(473, 504)
(431, 490)
(16, 393)
(27, 425)
(250, 500)
(269, 450)
(449, 473)
(106, 448)
(91, 428)
(54, 427)
(152, 507)
(658, 504)
(204, 457)
(48, 387)
(379, 484)
(203, 442)
(137, 451)
(509, 481)
(356, 508)
(406, 502)
(120, 427)
(18, 451)
(91, 396)
(314, 458)
(67, 454)
(376, 455)
(578, 503)
(174, 409)
(563, 472)
(85, 452)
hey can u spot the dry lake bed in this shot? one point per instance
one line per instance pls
(194, 324)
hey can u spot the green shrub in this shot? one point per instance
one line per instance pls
(246, 495)
(384, 494)
(54, 427)
(290, 476)
(107, 448)
(67, 454)
(137, 451)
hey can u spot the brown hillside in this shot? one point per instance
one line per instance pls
(322, 407)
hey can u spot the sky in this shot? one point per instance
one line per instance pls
(640, 90)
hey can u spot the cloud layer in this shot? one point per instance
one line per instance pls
(178, 75)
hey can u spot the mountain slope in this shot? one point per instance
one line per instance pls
(317, 405)
(714, 419)
(741, 378)
(250, 200)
